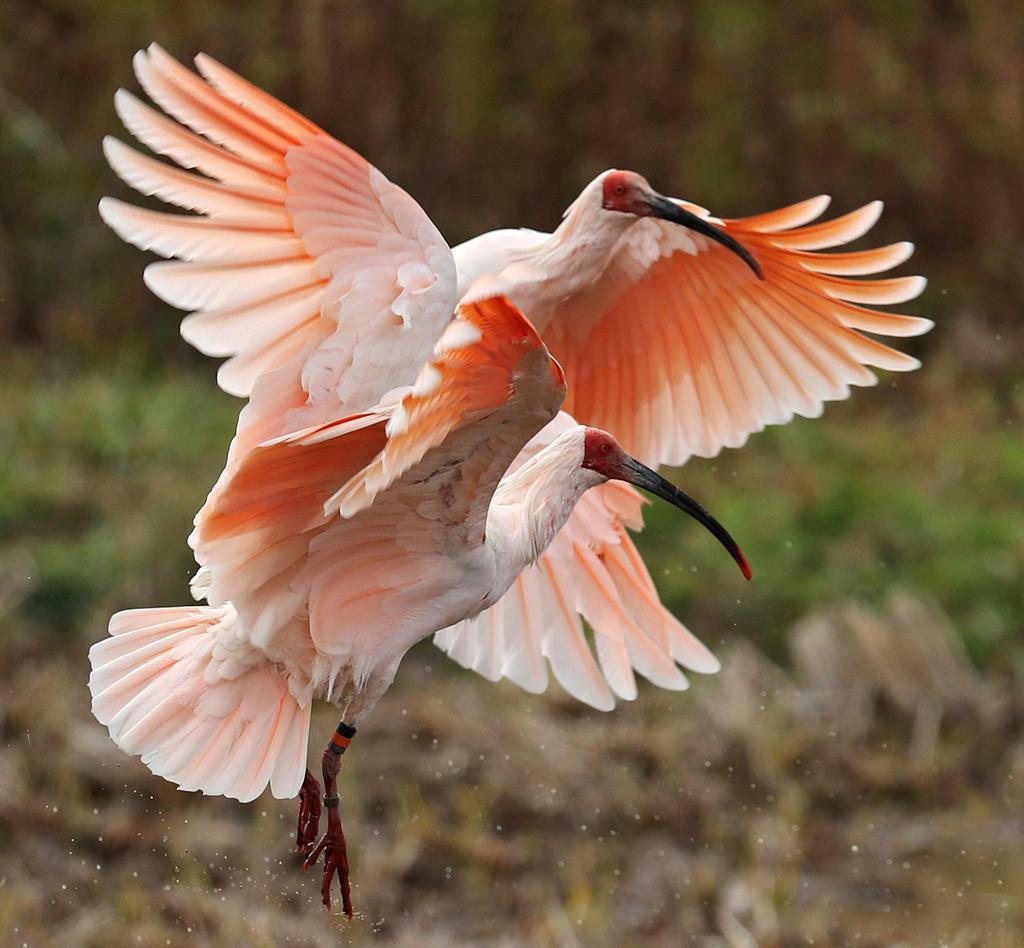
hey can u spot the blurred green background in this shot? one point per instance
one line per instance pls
(847, 779)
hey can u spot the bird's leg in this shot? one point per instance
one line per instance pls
(309, 814)
(332, 843)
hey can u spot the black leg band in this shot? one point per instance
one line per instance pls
(342, 737)
(332, 802)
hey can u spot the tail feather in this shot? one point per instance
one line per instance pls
(165, 690)
(292, 757)
(127, 670)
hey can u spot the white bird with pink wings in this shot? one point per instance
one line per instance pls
(442, 442)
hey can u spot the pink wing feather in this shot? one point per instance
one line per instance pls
(268, 537)
(306, 261)
(680, 350)
(590, 571)
(326, 286)
(473, 374)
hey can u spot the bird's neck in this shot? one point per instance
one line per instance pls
(534, 502)
(540, 277)
(582, 246)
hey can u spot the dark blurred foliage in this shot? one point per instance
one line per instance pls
(497, 113)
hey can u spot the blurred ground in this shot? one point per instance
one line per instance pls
(853, 775)
(852, 802)
(867, 796)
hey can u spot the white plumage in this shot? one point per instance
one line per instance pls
(327, 288)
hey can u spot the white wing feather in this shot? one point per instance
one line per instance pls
(305, 260)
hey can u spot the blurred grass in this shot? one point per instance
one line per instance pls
(111, 465)
(869, 796)
(915, 484)
(917, 488)
(761, 808)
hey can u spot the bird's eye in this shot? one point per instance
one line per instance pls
(620, 189)
(605, 448)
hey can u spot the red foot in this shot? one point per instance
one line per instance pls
(332, 845)
(309, 815)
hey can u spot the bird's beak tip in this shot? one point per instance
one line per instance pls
(634, 472)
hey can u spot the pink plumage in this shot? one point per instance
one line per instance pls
(399, 472)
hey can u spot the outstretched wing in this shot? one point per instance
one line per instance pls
(590, 571)
(490, 364)
(680, 349)
(300, 254)
(412, 480)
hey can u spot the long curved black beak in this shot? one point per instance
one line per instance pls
(667, 210)
(642, 476)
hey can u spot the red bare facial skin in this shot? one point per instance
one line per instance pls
(629, 193)
(602, 453)
(626, 191)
